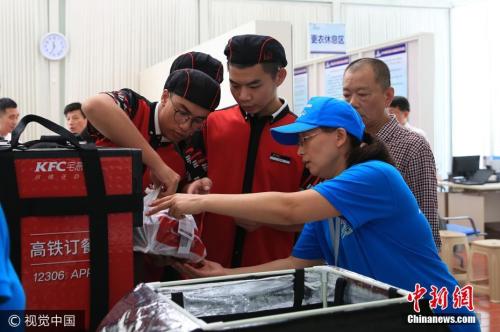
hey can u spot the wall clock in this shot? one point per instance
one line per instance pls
(54, 46)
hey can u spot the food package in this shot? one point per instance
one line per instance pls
(164, 235)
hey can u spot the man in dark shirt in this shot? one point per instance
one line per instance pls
(9, 115)
(76, 121)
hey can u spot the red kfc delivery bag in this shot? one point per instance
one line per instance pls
(71, 208)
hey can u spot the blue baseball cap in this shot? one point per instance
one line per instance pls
(321, 112)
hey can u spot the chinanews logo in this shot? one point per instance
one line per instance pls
(444, 305)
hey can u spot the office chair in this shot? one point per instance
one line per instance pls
(470, 232)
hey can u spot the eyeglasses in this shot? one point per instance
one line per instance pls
(304, 139)
(182, 116)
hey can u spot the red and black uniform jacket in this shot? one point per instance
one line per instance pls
(242, 157)
(142, 112)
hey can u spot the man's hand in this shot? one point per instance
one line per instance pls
(204, 269)
(201, 186)
(165, 177)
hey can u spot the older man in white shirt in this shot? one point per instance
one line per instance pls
(400, 107)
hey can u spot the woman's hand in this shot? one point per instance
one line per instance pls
(202, 270)
(178, 205)
(201, 186)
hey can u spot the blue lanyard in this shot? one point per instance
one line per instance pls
(335, 237)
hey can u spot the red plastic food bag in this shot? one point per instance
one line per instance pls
(162, 234)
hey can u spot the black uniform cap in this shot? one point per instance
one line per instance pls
(200, 61)
(254, 49)
(195, 86)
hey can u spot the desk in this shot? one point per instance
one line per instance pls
(481, 202)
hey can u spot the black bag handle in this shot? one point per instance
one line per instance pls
(54, 127)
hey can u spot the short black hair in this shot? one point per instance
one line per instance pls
(6, 103)
(73, 107)
(380, 69)
(401, 103)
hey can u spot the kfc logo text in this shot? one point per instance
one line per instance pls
(57, 166)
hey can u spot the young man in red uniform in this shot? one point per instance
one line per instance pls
(125, 118)
(243, 158)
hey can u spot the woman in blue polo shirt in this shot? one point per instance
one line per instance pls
(11, 291)
(369, 221)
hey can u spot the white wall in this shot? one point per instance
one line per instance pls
(152, 79)
(23, 72)
(475, 75)
(369, 22)
(112, 41)
(221, 16)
